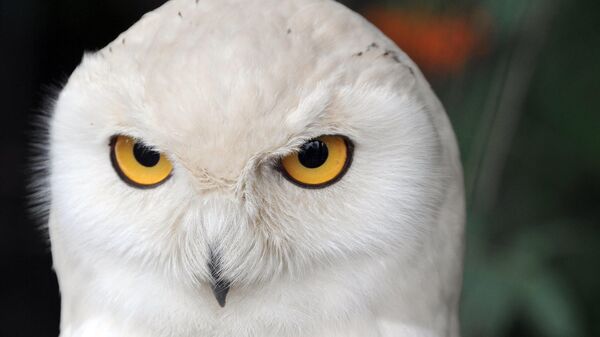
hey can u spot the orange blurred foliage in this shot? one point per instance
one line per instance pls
(439, 44)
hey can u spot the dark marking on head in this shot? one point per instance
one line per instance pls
(110, 49)
(393, 55)
(180, 15)
(360, 53)
(372, 46)
(123, 41)
(289, 30)
(197, 1)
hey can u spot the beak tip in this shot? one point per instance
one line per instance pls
(221, 302)
(220, 286)
(220, 290)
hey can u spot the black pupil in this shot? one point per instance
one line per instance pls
(145, 156)
(313, 154)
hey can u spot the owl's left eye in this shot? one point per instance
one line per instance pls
(319, 162)
(137, 164)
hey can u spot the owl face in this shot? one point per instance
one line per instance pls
(209, 152)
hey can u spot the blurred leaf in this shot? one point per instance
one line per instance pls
(507, 13)
(488, 305)
(550, 308)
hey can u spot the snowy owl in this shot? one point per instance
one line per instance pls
(254, 168)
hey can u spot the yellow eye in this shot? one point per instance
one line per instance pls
(137, 164)
(320, 162)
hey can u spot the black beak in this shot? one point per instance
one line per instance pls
(220, 286)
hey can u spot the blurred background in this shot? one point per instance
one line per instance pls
(519, 79)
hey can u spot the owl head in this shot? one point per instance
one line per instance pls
(241, 145)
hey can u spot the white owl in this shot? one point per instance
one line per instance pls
(254, 168)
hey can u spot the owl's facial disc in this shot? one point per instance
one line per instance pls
(317, 163)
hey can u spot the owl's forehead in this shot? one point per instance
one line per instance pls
(217, 82)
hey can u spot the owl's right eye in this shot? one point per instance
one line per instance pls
(137, 164)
